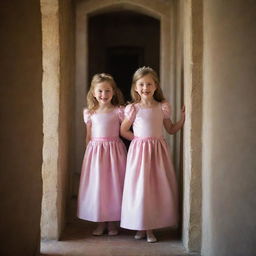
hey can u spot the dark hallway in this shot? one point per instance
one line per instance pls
(120, 42)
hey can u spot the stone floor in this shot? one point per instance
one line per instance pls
(78, 241)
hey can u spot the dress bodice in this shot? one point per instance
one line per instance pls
(148, 122)
(104, 124)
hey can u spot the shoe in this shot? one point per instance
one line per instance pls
(151, 237)
(112, 229)
(99, 231)
(113, 232)
(140, 235)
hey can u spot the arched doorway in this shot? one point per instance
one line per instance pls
(116, 46)
(109, 39)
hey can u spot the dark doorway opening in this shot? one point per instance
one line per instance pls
(122, 62)
(119, 43)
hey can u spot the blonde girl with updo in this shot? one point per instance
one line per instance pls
(150, 198)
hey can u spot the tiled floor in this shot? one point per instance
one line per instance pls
(78, 241)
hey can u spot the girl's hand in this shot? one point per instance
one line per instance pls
(173, 128)
(125, 130)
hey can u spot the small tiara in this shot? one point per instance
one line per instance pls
(144, 68)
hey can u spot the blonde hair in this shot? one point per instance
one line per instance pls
(139, 73)
(117, 98)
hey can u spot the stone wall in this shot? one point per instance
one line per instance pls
(67, 88)
(229, 124)
(193, 86)
(58, 84)
(21, 127)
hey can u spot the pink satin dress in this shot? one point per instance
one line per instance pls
(103, 169)
(150, 198)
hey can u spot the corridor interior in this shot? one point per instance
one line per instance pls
(205, 47)
(115, 46)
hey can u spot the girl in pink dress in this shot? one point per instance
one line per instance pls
(103, 168)
(150, 188)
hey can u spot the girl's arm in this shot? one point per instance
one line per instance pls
(173, 128)
(125, 129)
(88, 132)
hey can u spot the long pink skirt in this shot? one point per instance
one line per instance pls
(101, 181)
(150, 189)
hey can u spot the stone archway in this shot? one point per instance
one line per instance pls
(166, 13)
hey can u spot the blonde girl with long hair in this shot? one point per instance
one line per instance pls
(103, 168)
(150, 189)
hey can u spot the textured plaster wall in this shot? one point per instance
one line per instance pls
(176, 92)
(193, 45)
(51, 86)
(21, 127)
(67, 51)
(58, 65)
(229, 124)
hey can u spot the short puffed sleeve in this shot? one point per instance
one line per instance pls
(166, 108)
(120, 113)
(130, 112)
(87, 116)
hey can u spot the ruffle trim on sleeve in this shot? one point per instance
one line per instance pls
(130, 112)
(121, 113)
(87, 116)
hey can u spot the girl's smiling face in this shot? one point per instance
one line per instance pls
(103, 92)
(145, 87)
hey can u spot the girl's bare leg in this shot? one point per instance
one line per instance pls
(151, 237)
(112, 229)
(140, 234)
(100, 229)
